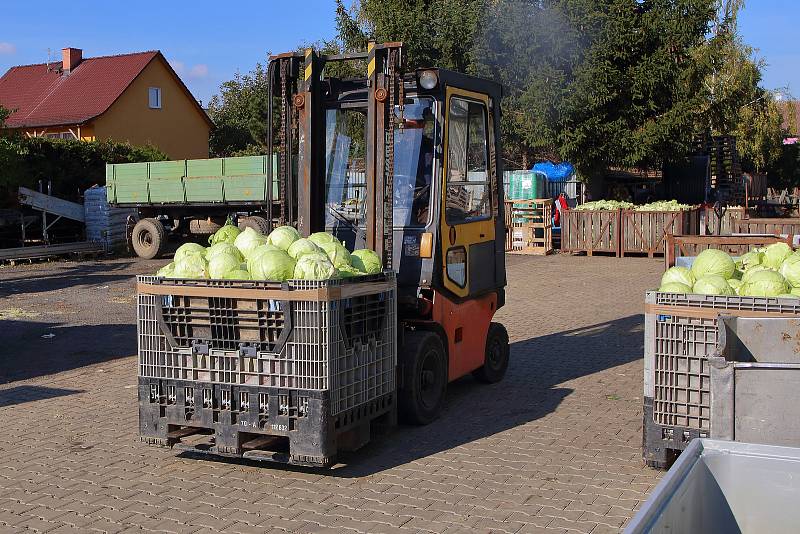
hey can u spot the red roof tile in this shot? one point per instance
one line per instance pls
(43, 96)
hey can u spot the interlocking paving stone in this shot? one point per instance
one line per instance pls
(555, 447)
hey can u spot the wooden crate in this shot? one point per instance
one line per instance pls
(529, 226)
(735, 245)
(789, 226)
(645, 232)
(709, 220)
(590, 231)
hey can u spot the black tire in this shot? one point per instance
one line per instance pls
(259, 224)
(148, 238)
(424, 377)
(496, 359)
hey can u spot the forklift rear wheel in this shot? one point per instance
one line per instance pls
(496, 359)
(424, 377)
(259, 224)
(148, 238)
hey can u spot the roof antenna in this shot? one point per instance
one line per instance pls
(48, 59)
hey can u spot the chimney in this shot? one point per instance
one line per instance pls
(70, 58)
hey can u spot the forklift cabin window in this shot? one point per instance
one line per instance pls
(345, 151)
(468, 186)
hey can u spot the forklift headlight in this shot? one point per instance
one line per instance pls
(428, 79)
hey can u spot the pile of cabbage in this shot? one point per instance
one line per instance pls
(772, 271)
(604, 205)
(610, 205)
(282, 255)
(663, 205)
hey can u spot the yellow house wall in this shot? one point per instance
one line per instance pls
(177, 128)
(84, 133)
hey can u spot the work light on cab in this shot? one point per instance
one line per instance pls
(428, 79)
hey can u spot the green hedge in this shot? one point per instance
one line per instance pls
(71, 165)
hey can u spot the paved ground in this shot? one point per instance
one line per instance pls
(553, 448)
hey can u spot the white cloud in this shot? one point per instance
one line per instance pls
(199, 71)
(7, 48)
(196, 72)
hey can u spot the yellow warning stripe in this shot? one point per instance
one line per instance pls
(309, 70)
(371, 64)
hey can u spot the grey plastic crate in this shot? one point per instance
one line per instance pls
(725, 487)
(680, 333)
(226, 332)
(755, 374)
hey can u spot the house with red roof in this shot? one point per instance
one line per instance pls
(136, 98)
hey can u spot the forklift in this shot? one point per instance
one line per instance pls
(406, 164)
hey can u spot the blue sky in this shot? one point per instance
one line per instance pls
(207, 42)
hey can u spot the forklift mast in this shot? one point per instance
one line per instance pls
(299, 89)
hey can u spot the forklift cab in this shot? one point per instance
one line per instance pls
(406, 164)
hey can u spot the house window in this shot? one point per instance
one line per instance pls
(154, 97)
(61, 135)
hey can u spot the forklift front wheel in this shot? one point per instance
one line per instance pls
(259, 224)
(148, 238)
(496, 360)
(424, 377)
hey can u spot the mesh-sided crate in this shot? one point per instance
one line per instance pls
(334, 335)
(680, 333)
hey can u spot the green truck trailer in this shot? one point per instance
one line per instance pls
(192, 197)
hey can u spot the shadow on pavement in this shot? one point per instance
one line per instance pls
(25, 353)
(532, 389)
(80, 275)
(23, 394)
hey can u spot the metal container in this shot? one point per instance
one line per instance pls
(725, 487)
(681, 333)
(755, 381)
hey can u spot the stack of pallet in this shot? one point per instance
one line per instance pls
(725, 170)
(529, 226)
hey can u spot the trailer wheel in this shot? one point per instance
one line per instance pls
(496, 359)
(148, 238)
(424, 378)
(259, 224)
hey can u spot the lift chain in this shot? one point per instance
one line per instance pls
(388, 196)
(284, 176)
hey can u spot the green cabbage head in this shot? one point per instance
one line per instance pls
(266, 247)
(237, 274)
(227, 234)
(681, 275)
(221, 264)
(736, 285)
(272, 265)
(749, 273)
(713, 262)
(366, 261)
(775, 254)
(795, 291)
(189, 249)
(301, 247)
(223, 247)
(314, 266)
(283, 236)
(320, 238)
(674, 287)
(347, 271)
(790, 269)
(167, 271)
(191, 266)
(765, 283)
(248, 241)
(751, 259)
(337, 253)
(712, 284)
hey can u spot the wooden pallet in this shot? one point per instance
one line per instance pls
(529, 226)
(48, 251)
